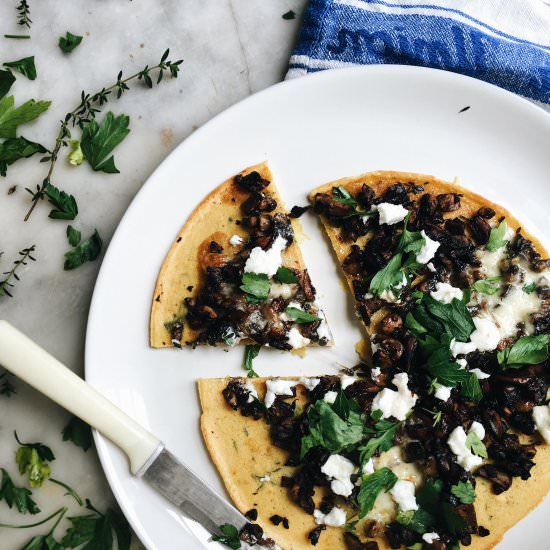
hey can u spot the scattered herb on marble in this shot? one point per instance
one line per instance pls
(24, 66)
(24, 14)
(32, 459)
(18, 36)
(87, 251)
(7, 284)
(14, 149)
(69, 42)
(11, 117)
(64, 205)
(78, 432)
(290, 14)
(7, 389)
(73, 236)
(70, 491)
(6, 81)
(18, 496)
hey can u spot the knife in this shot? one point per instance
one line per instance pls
(147, 455)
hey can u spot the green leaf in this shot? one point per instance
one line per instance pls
(14, 149)
(6, 81)
(418, 521)
(44, 452)
(471, 388)
(229, 536)
(388, 277)
(69, 42)
(413, 325)
(529, 288)
(475, 444)
(20, 496)
(300, 316)
(76, 156)
(11, 118)
(250, 353)
(327, 429)
(43, 542)
(487, 286)
(99, 140)
(78, 432)
(343, 405)
(496, 237)
(381, 440)
(30, 463)
(464, 491)
(528, 350)
(86, 251)
(73, 236)
(286, 276)
(410, 241)
(65, 207)
(256, 285)
(340, 194)
(454, 317)
(371, 486)
(25, 66)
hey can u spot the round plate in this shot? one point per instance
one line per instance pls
(311, 130)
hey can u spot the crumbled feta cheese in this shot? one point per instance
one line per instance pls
(266, 261)
(428, 250)
(395, 403)
(457, 444)
(486, 336)
(338, 470)
(462, 348)
(322, 330)
(442, 392)
(389, 296)
(335, 518)
(391, 213)
(296, 340)
(446, 293)
(541, 416)
(462, 363)
(429, 538)
(403, 494)
(431, 267)
(277, 387)
(346, 381)
(310, 383)
(330, 397)
(368, 467)
(375, 372)
(480, 375)
(368, 296)
(265, 478)
(282, 290)
(253, 393)
(235, 240)
(374, 347)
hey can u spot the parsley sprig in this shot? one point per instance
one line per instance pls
(23, 14)
(250, 353)
(528, 350)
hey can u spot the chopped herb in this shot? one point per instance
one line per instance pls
(78, 432)
(529, 288)
(464, 491)
(454, 317)
(69, 42)
(340, 194)
(6, 81)
(371, 486)
(487, 286)
(99, 140)
(23, 14)
(24, 66)
(250, 353)
(11, 118)
(6, 284)
(496, 237)
(418, 521)
(475, 444)
(300, 316)
(32, 460)
(388, 277)
(229, 336)
(286, 276)
(290, 14)
(528, 350)
(20, 496)
(229, 536)
(86, 251)
(381, 439)
(464, 109)
(73, 236)
(255, 285)
(14, 149)
(471, 388)
(343, 405)
(65, 207)
(413, 325)
(76, 156)
(70, 491)
(6, 387)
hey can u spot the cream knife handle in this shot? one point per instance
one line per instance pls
(29, 362)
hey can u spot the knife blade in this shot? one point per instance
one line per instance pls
(147, 454)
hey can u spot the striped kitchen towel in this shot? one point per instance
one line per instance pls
(506, 42)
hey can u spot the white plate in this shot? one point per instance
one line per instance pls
(311, 130)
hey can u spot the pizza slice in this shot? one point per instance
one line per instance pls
(235, 274)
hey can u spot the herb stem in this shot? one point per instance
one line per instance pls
(18, 36)
(61, 512)
(70, 491)
(6, 282)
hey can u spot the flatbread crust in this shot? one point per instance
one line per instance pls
(213, 219)
(242, 452)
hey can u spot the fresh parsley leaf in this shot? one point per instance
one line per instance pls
(20, 496)
(97, 530)
(300, 316)
(44, 452)
(410, 241)
(6, 82)
(78, 432)
(418, 521)
(256, 285)
(76, 156)
(250, 353)
(65, 207)
(290, 14)
(73, 236)
(487, 286)
(229, 536)
(343, 405)
(371, 486)
(388, 277)
(25, 66)
(528, 350)
(69, 42)
(14, 149)
(43, 542)
(86, 251)
(29, 462)
(99, 140)
(471, 388)
(413, 325)
(496, 237)
(454, 317)
(285, 275)
(11, 118)
(529, 288)
(327, 429)
(464, 491)
(475, 445)
(381, 440)
(340, 194)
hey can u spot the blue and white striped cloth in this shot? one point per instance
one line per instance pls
(506, 42)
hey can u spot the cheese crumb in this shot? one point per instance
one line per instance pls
(266, 261)
(375, 372)
(346, 381)
(462, 348)
(486, 336)
(457, 444)
(541, 416)
(368, 467)
(446, 293)
(310, 383)
(442, 392)
(330, 397)
(430, 537)
(480, 375)
(296, 340)
(338, 470)
(391, 214)
(403, 494)
(253, 393)
(335, 518)
(277, 387)
(395, 403)
(282, 290)
(428, 250)
(236, 240)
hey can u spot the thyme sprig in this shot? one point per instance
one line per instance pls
(90, 105)
(6, 387)
(24, 256)
(23, 14)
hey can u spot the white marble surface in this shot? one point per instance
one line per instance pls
(231, 48)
